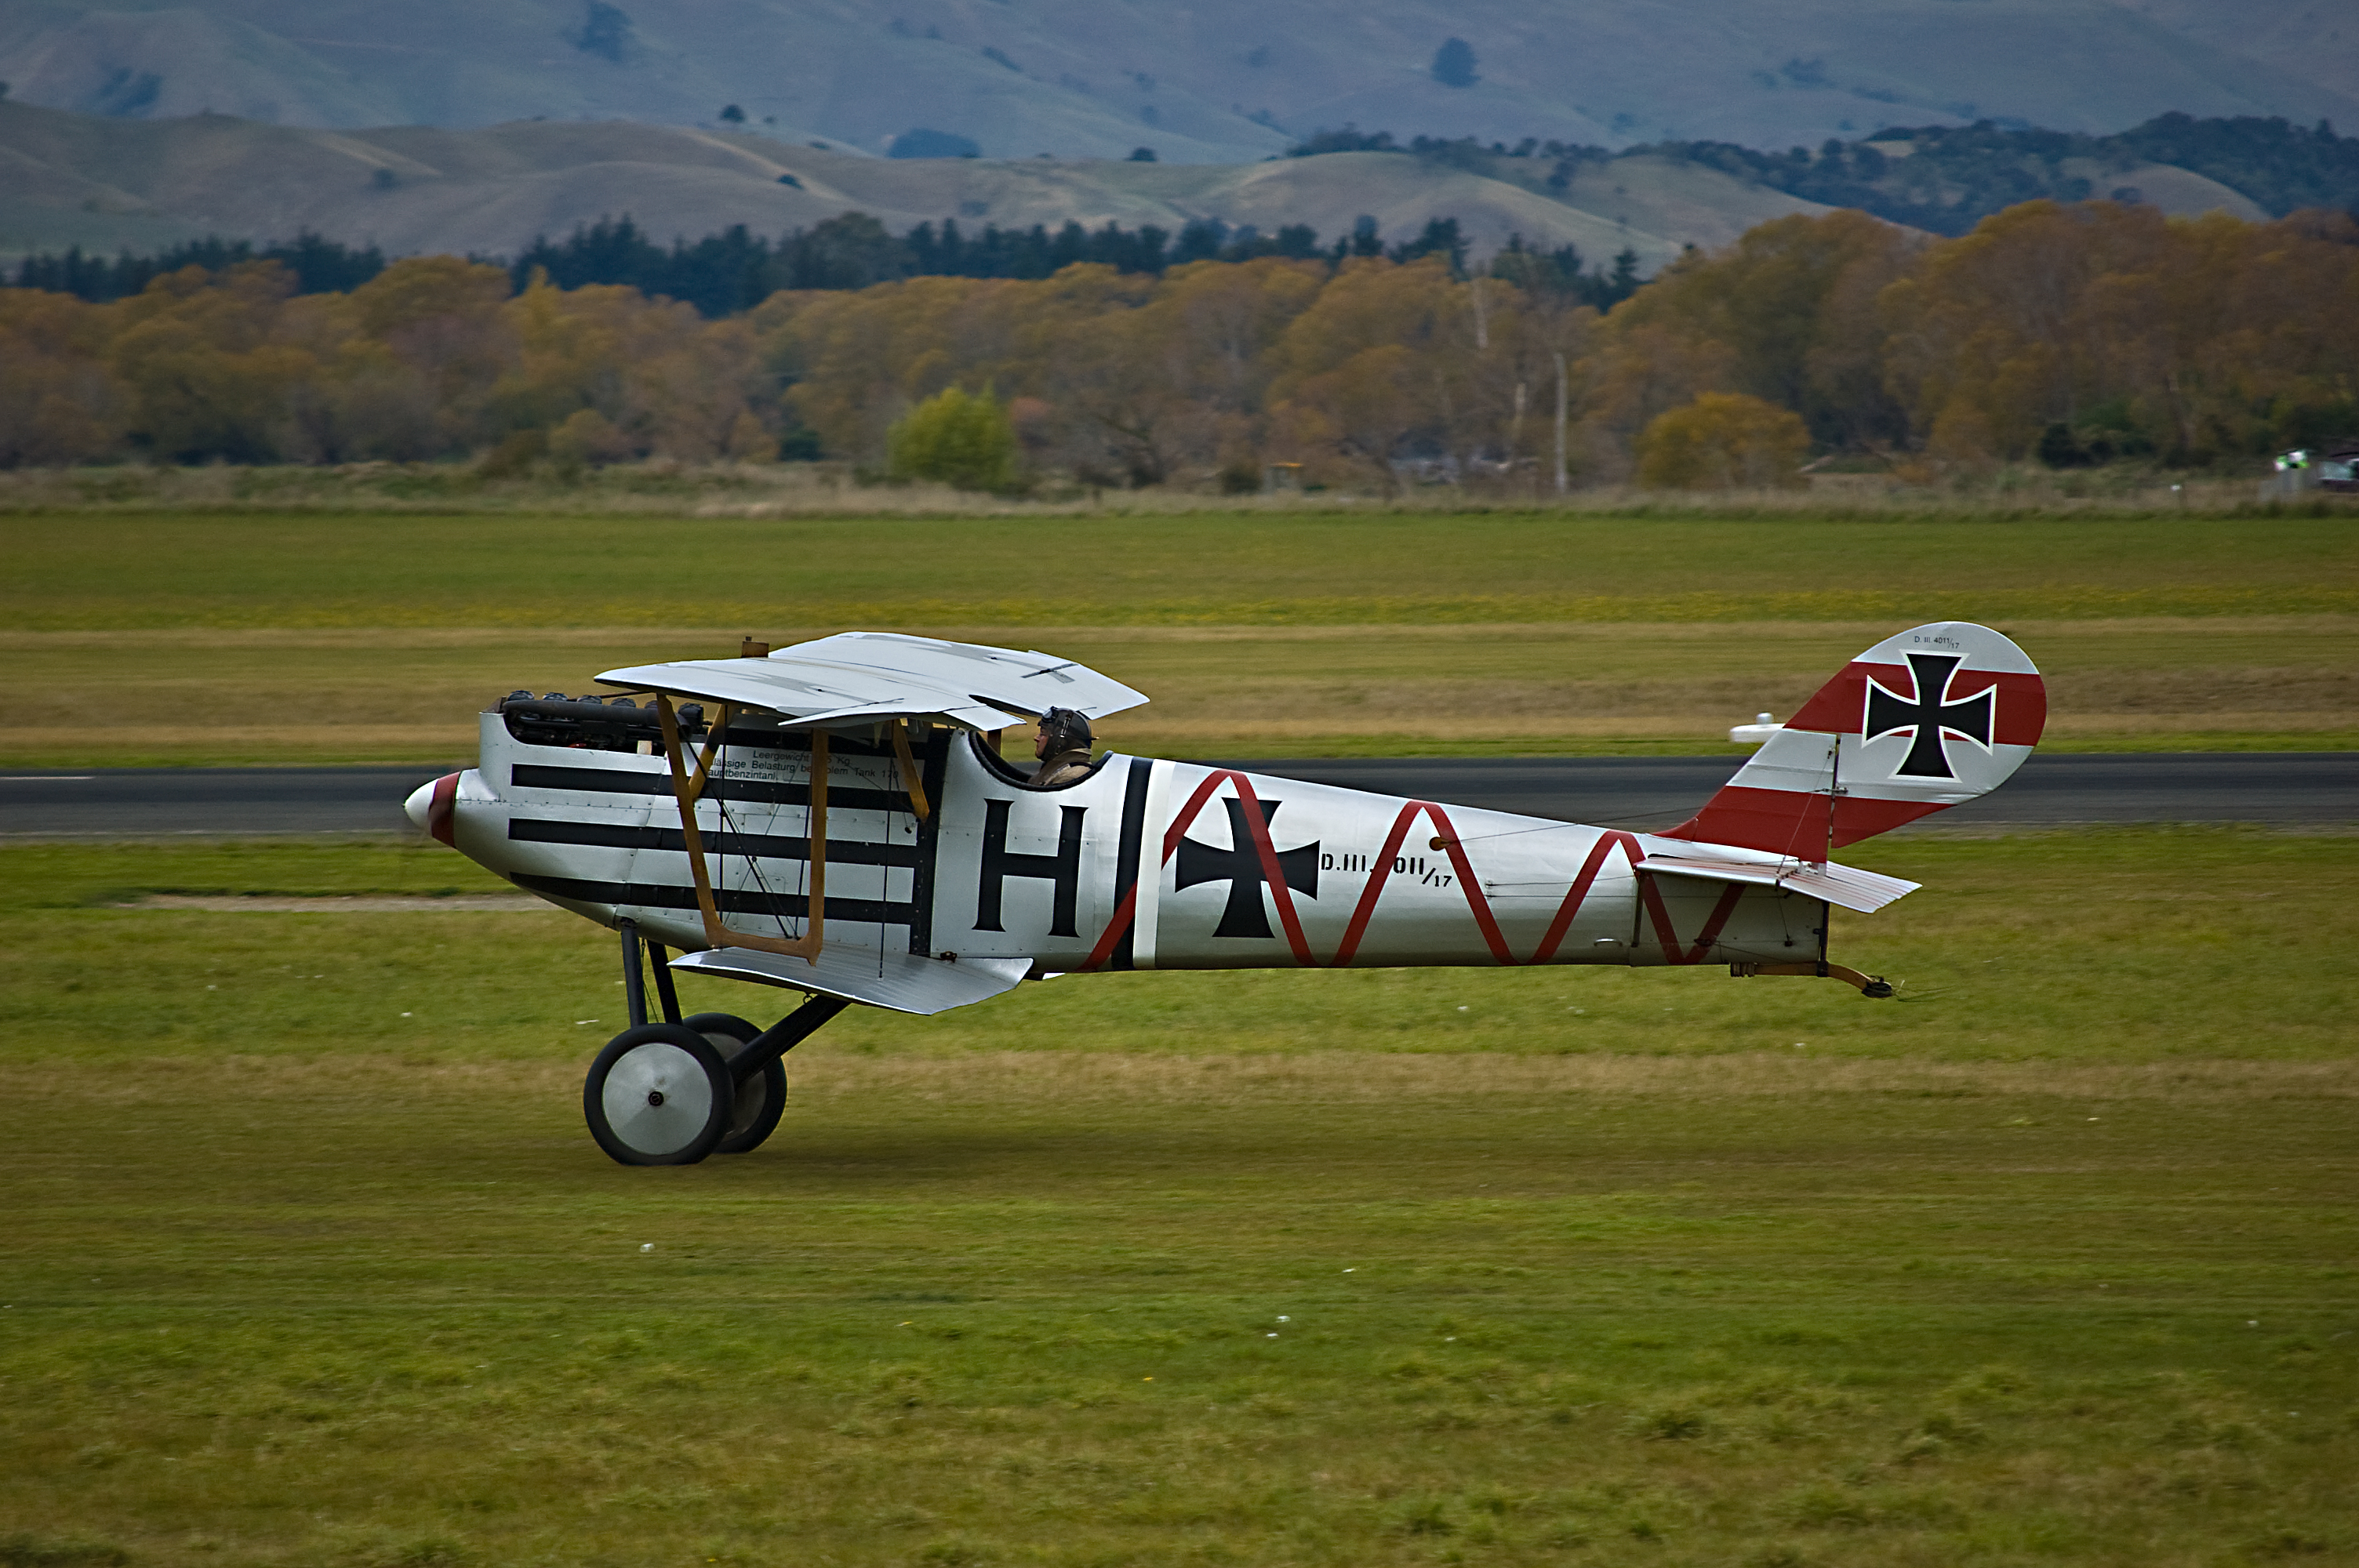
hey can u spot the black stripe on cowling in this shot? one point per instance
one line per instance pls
(729, 901)
(622, 780)
(762, 845)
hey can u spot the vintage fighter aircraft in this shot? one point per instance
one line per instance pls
(835, 819)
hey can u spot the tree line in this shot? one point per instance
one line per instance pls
(316, 265)
(2069, 331)
(723, 274)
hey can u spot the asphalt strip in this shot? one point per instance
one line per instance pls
(370, 903)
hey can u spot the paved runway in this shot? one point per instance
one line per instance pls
(2279, 787)
(146, 803)
(1641, 793)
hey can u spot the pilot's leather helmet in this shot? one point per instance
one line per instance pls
(1066, 730)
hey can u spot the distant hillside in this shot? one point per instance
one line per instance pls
(1946, 180)
(74, 180)
(1210, 81)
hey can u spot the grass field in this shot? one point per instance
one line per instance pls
(285, 636)
(2049, 1262)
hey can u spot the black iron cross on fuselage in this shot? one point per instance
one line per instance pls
(1240, 866)
(1929, 715)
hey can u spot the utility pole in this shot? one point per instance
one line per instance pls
(1559, 422)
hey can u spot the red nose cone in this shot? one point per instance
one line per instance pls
(439, 810)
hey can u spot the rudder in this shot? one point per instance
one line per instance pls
(1929, 719)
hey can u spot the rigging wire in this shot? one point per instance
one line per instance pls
(753, 867)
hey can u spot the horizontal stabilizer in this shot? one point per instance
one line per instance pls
(902, 982)
(1865, 891)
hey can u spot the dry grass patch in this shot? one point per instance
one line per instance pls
(210, 694)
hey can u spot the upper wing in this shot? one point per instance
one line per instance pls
(856, 676)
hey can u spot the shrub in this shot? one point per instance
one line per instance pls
(750, 440)
(1722, 440)
(588, 439)
(961, 438)
(516, 454)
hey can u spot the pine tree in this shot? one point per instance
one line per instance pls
(1453, 64)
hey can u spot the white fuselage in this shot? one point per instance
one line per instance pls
(1144, 864)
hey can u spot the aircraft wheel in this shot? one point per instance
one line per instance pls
(761, 1099)
(659, 1094)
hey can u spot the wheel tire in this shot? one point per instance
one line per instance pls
(761, 1099)
(659, 1094)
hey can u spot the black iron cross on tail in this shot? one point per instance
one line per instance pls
(1240, 866)
(1929, 715)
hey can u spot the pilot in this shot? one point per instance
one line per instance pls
(1063, 746)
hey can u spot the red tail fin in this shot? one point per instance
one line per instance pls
(1929, 719)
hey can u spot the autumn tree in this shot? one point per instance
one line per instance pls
(853, 363)
(1722, 440)
(958, 438)
(440, 340)
(1991, 340)
(1382, 362)
(202, 372)
(1787, 315)
(58, 403)
(1174, 379)
(2090, 331)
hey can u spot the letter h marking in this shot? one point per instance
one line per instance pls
(1063, 868)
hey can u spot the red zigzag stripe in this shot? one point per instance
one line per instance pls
(1283, 897)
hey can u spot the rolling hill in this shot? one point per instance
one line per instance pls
(1212, 82)
(144, 185)
(104, 183)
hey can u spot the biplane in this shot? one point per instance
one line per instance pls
(834, 818)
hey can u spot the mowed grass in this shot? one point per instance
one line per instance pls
(101, 571)
(177, 638)
(2086, 945)
(2050, 1262)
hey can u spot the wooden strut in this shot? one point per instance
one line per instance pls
(687, 788)
(911, 779)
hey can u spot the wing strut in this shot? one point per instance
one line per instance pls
(911, 779)
(687, 787)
